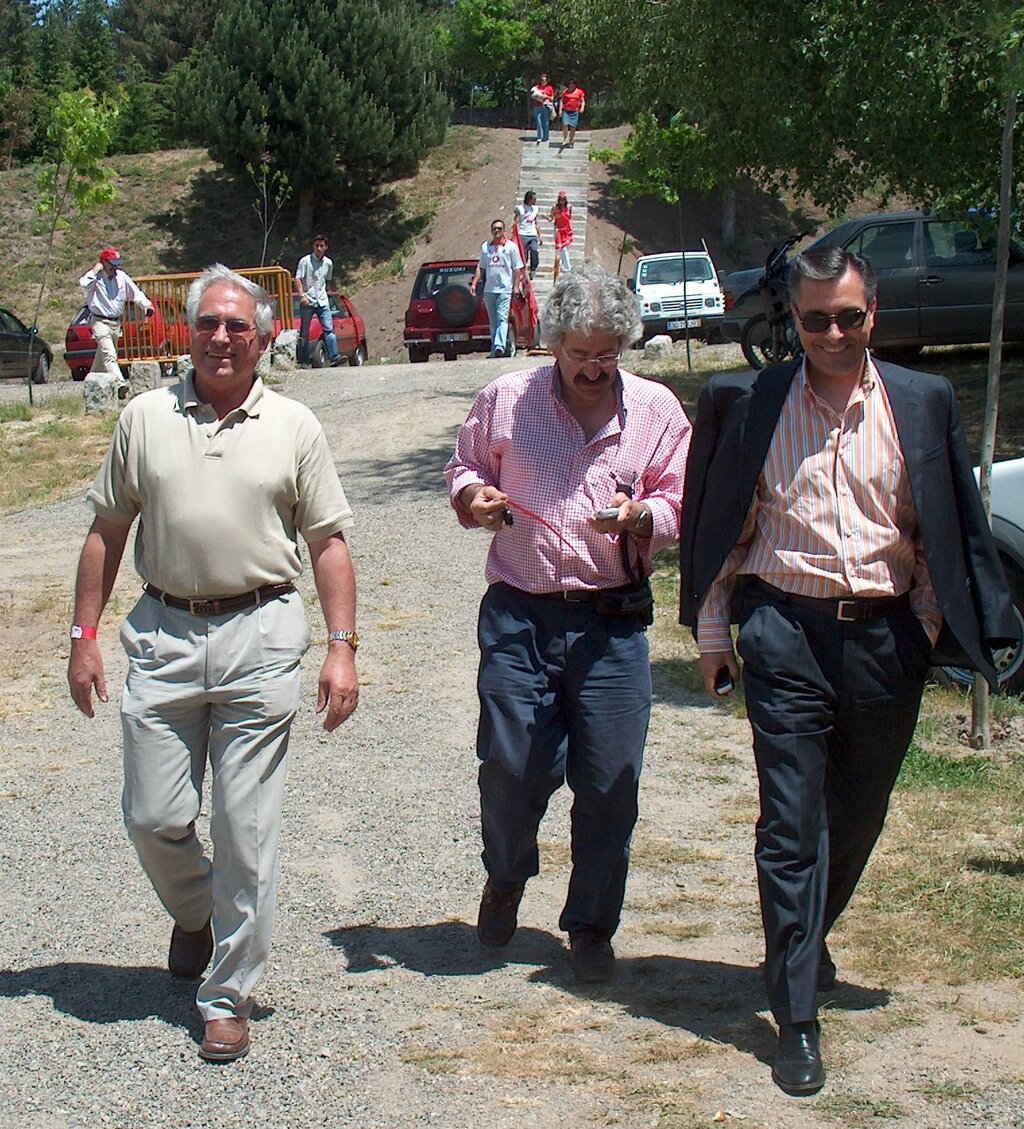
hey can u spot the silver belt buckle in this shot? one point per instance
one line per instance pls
(841, 612)
(199, 607)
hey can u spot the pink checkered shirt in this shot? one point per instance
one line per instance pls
(832, 516)
(521, 438)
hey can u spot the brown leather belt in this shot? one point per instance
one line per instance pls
(221, 605)
(854, 609)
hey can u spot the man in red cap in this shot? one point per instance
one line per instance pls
(107, 290)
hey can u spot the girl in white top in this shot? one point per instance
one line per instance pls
(526, 222)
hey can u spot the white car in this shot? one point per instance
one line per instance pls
(1008, 531)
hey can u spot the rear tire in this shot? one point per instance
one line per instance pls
(756, 343)
(79, 373)
(358, 358)
(318, 353)
(42, 370)
(418, 354)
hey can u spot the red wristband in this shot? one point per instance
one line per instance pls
(82, 632)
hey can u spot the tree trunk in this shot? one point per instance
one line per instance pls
(981, 737)
(305, 231)
(729, 216)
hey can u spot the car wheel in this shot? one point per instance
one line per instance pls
(42, 372)
(456, 304)
(418, 354)
(450, 356)
(510, 340)
(358, 358)
(1009, 660)
(318, 353)
(79, 373)
(757, 346)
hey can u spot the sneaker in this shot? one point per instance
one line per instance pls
(497, 919)
(304, 364)
(337, 361)
(591, 956)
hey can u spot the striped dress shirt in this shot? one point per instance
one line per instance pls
(832, 516)
(521, 438)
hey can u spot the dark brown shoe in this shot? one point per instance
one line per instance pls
(498, 916)
(591, 956)
(225, 1039)
(190, 952)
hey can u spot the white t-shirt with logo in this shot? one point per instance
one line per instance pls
(500, 262)
(527, 216)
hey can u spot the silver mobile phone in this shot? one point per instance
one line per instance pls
(609, 514)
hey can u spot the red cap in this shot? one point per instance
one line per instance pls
(563, 195)
(110, 255)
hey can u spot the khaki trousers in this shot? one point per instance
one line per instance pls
(105, 360)
(224, 690)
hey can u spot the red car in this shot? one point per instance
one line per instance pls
(444, 317)
(349, 328)
(166, 334)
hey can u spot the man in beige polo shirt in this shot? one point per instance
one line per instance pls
(224, 473)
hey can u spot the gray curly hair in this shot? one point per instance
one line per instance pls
(220, 273)
(590, 298)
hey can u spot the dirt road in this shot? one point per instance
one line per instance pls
(379, 1008)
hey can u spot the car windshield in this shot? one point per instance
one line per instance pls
(433, 279)
(668, 272)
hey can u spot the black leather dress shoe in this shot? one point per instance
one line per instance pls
(798, 1069)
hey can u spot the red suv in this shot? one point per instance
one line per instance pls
(444, 317)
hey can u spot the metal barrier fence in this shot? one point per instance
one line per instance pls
(166, 334)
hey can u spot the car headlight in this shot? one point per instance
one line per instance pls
(654, 307)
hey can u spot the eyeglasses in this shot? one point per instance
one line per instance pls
(605, 361)
(236, 327)
(818, 322)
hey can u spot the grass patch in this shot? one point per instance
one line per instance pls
(943, 897)
(857, 1110)
(949, 1091)
(544, 1046)
(49, 451)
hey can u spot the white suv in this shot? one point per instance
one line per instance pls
(670, 295)
(1008, 531)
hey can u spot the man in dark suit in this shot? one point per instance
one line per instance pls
(837, 490)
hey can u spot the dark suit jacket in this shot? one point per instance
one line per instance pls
(736, 418)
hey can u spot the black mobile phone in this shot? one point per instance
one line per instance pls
(723, 682)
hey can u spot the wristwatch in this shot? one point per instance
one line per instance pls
(349, 637)
(642, 519)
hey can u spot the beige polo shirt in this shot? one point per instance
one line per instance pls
(220, 500)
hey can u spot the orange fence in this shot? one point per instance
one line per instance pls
(166, 334)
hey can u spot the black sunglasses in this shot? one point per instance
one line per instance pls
(817, 322)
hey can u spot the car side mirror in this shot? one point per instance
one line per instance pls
(631, 284)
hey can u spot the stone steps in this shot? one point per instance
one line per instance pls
(548, 170)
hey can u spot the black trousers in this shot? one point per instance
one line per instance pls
(832, 707)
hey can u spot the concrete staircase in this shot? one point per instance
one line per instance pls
(547, 170)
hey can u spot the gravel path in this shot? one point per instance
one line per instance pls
(379, 1008)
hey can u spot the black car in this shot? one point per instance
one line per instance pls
(22, 351)
(935, 282)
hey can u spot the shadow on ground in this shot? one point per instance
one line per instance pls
(712, 1000)
(105, 993)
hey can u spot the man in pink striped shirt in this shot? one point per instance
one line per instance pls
(576, 469)
(831, 511)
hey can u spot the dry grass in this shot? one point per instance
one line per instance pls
(51, 453)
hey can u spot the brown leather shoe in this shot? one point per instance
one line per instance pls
(190, 952)
(225, 1039)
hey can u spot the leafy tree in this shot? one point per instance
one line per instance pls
(488, 41)
(79, 134)
(345, 92)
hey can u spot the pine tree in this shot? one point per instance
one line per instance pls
(339, 94)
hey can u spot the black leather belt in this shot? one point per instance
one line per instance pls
(854, 609)
(575, 595)
(221, 605)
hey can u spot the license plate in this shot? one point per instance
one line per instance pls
(695, 323)
(453, 337)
